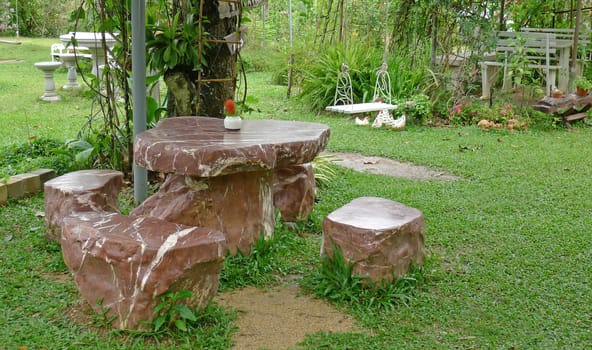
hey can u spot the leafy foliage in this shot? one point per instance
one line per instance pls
(324, 169)
(320, 75)
(35, 154)
(173, 44)
(170, 312)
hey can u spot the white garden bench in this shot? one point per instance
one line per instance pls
(547, 49)
(521, 50)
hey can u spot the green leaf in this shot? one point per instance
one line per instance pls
(184, 294)
(166, 56)
(159, 307)
(180, 324)
(77, 14)
(79, 145)
(186, 313)
(84, 156)
(158, 322)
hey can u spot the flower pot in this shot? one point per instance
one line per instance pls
(557, 94)
(581, 92)
(233, 123)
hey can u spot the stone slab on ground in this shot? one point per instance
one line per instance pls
(385, 166)
(31, 182)
(44, 174)
(15, 188)
(3, 193)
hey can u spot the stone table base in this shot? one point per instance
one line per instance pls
(239, 205)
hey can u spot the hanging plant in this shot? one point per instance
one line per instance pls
(174, 44)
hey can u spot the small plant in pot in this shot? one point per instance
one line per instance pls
(556, 93)
(583, 86)
(231, 121)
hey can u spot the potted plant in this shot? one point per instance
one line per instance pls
(556, 93)
(231, 121)
(583, 86)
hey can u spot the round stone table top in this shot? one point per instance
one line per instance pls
(48, 66)
(200, 146)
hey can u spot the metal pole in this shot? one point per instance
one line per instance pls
(290, 19)
(139, 89)
(17, 20)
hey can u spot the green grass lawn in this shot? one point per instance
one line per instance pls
(22, 114)
(509, 245)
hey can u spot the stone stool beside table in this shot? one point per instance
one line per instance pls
(126, 261)
(382, 238)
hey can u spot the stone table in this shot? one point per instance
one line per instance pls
(223, 179)
(48, 68)
(93, 41)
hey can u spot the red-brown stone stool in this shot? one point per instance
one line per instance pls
(127, 263)
(79, 191)
(379, 236)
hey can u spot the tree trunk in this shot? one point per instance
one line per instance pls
(220, 66)
(181, 93)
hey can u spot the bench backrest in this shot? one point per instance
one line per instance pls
(562, 34)
(534, 46)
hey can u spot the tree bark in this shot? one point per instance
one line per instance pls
(181, 93)
(220, 65)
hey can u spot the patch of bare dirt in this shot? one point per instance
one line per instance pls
(280, 318)
(385, 166)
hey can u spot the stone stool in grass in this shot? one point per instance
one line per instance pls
(48, 68)
(382, 238)
(122, 265)
(79, 191)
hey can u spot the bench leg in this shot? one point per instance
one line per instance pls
(563, 79)
(488, 75)
(551, 81)
(507, 82)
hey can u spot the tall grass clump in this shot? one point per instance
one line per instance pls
(320, 75)
(321, 71)
(335, 281)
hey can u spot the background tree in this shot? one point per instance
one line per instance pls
(185, 42)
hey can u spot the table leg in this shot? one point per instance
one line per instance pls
(240, 205)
